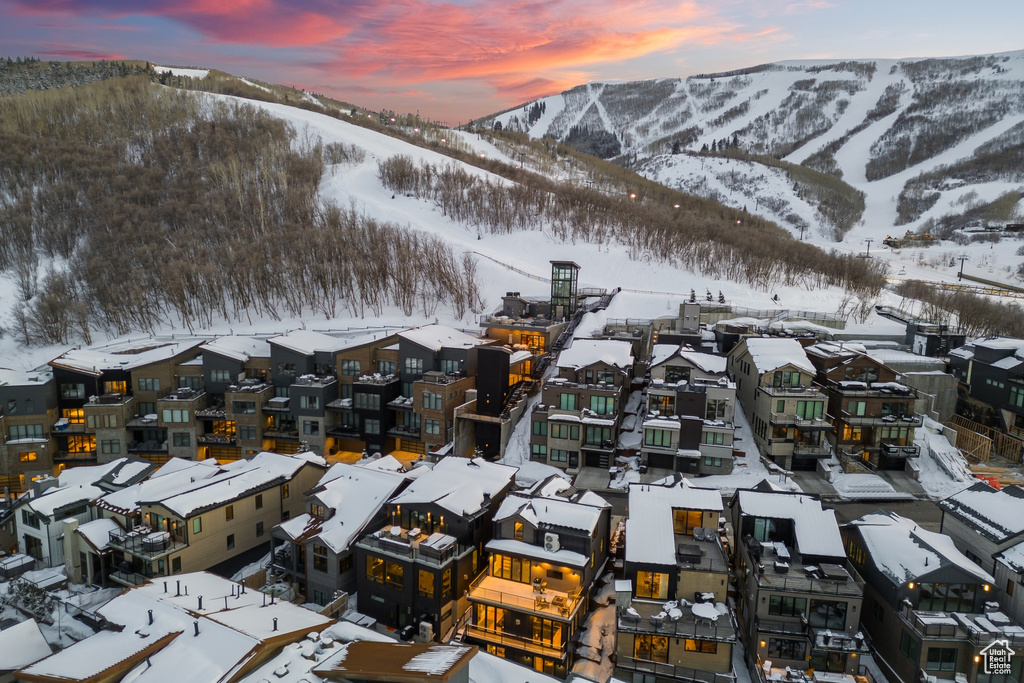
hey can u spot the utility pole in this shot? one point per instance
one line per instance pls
(960, 275)
(869, 241)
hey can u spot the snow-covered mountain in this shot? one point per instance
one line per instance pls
(933, 144)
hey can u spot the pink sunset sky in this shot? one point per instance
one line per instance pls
(458, 60)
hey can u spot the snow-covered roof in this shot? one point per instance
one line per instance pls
(903, 551)
(127, 356)
(373, 660)
(772, 353)
(662, 352)
(238, 348)
(1013, 557)
(175, 475)
(584, 352)
(816, 530)
(996, 514)
(458, 484)
(308, 342)
(232, 627)
(81, 484)
(35, 377)
(650, 530)
(354, 495)
(97, 532)
(21, 645)
(437, 337)
(514, 547)
(232, 481)
(707, 362)
(550, 512)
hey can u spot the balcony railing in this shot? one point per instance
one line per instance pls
(810, 450)
(146, 543)
(65, 456)
(147, 447)
(954, 626)
(281, 433)
(519, 642)
(783, 391)
(404, 432)
(415, 549)
(127, 577)
(896, 451)
(523, 597)
(686, 626)
(793, 420)
(215, 440)
(679, 673)
(790, 627)
(211, 413)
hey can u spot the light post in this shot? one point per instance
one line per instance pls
(869, 241)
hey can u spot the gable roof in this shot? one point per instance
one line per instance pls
(232, 481)
(772, 353)
(308, 342)
(903, 551)
(458, 484)
(996, 514)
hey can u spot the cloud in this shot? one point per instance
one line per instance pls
(87, 55)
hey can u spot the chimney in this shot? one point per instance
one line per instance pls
(200, 603)
(275, 624)
(196, 624)
(165, 586)
(179, 589)
(150, 617)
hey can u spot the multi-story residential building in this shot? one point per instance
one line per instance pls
(28, 410)
(484, 424)
(785, 410)
(415, 572)
(674, 625)
(801, 599)
(550, 545)
(928, 609)
(438, 366)
(233, 360)
(991, 373)
(987, 525)
(315, 549)
(198, 524)
(873, 414)
(984, 521)
(88, 556)
(40, 517)
(578, 420)
(689, 389)
(127, 380)
(360, 419)
(196, 627)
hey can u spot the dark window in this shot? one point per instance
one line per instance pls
(785, 606)
(231, 541)
(941, 659)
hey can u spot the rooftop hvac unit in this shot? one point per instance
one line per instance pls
(426, 631)
(551, 543)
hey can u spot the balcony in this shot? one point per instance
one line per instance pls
(276, 405)
(112, 399)
(377, 380)
(184, 394)
(836, 640)
(810, 450)
(215, 440)
(143, 422)
(127, 577)
(673, 672)
(402, 403)
(792, 420)
(644, 616)
(439, 378)
(62, 426)
(145, 543)
(147, 447)
(891, 450)
(959, 626)
(788, 627)
(211, 413)
(798, 391)
(794, 577)
(345, 432)
(281, 434)
(403, 432)
(435, 549)
(66, 457)
(525, 597)
(501, 638)
(314, 380)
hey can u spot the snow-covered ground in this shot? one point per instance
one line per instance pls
(178, 71)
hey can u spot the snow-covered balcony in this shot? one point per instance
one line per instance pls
(535, 597)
